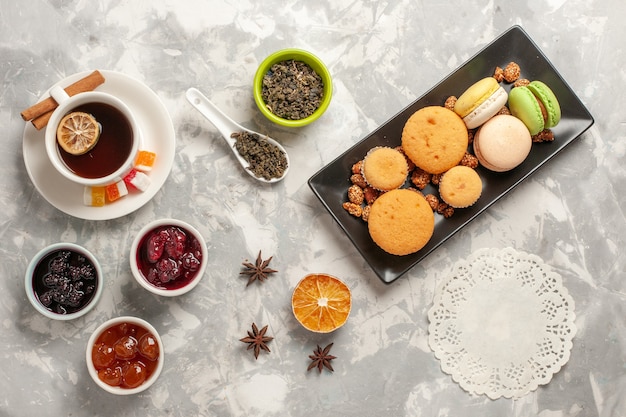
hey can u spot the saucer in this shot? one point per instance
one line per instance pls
(157, 134)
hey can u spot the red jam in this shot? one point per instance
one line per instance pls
(125, 355)
(169, 257)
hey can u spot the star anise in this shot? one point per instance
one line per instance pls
(257, 340)
(321, 359)
(259, 271)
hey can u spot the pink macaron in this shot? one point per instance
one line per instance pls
(502, 143)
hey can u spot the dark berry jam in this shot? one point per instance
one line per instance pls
(125, 355)
(169, 257)
(65, 281)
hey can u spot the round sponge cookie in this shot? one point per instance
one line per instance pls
(384, 168)
(401, 222)
(460, 187)
(435, 139)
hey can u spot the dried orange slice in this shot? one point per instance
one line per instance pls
(321, 303)
(78, 132)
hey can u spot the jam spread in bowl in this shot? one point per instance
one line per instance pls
(168, 257)
(125, 355)
(63, 281)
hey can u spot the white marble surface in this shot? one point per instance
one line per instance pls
(382, 55)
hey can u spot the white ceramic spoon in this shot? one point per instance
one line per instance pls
(227, 126)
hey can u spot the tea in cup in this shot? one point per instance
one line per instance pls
(103, 126)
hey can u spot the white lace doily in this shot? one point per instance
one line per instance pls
(502, 324)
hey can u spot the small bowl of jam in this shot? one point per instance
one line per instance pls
(63, 281)
(168, 257)
(125, 355)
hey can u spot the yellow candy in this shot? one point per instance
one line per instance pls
(94, 196)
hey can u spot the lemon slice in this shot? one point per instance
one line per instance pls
(78, 132)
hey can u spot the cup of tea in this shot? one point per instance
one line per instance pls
(92, 138)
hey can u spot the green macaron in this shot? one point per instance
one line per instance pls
(536, 106)
(549, 101)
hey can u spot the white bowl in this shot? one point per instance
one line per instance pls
(32, 269)
(173, 289)
(116, 389)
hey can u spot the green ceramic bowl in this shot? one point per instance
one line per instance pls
(298, 55)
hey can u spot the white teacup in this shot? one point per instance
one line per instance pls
(97, 166)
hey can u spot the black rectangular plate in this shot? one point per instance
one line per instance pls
(331, 182)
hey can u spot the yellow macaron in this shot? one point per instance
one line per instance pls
(480, 102)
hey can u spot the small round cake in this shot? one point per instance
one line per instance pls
(384, 168)
(460, 186)
(435, 139)
(401, 222)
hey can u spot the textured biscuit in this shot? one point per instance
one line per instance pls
(384, 168)
(435, 139)
(401, 222)
(460, 187)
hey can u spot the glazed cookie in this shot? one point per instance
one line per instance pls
(401, 222)
(435, 139)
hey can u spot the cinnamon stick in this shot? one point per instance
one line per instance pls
(41, 121)
(40, 113)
